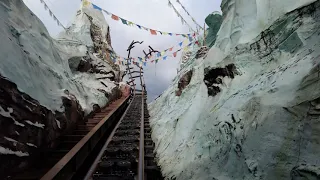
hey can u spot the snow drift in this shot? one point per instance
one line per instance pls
(251, 109)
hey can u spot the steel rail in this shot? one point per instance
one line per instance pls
(141, 142)
(97, 160)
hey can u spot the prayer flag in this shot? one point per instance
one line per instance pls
(170, 34)
(171, 49)
(180, 44)
(158, 54)
(153, 32)
(175, 54)
(130, 23)
(185, 42)
(124, 21)
(114, 17)
(85, 3)
(138, 26)
(165, 57)
(157, 60)
(96, 7)
(145, 64)
(165, 33)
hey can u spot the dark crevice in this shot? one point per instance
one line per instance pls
(213, 77)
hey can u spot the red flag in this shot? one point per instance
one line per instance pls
(171, 49)
(175, 54)
(197, 42)
(152, 61)
(114, 17)
(153, 32)
(194, 34)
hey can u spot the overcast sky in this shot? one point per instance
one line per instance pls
(153, 14)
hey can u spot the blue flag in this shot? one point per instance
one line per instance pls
(165, 57)
(170, 34)
(138, 26)
(180, 44)
(96, 7)
(159, 54)
(145, 64)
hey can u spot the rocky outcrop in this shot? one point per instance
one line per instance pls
(214, 77)
(251, 110)
(214, 22)
(183, 82)
(48, 85)
(28, 128)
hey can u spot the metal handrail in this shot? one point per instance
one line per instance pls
(141, 143)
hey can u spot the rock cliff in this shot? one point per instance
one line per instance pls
(251, 108)
(48, 85)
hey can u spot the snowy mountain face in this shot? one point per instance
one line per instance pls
(47, 85)
(249, 108)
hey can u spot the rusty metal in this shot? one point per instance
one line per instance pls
(72, 161)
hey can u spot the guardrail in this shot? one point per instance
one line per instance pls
(67, 167)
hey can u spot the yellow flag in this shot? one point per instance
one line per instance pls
(186, 48)
(162, 53)
(186, 41)
(130, 23)
(164, 33)
(85, 3)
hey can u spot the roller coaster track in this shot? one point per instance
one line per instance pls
(114, 144)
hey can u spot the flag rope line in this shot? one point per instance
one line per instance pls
(178, 1)
(130, 23)
(179, 15)
(46, 7)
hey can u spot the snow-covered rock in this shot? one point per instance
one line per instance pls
(47, 85)
(251, 109)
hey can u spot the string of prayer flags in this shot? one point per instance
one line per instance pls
(189, 15)
(129, 23)
(46, 7)
(183, 21)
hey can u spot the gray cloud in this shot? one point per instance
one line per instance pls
(150, 13)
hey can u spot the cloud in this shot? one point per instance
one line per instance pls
(150, 13)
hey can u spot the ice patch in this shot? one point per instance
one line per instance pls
(10, 152)
(58, 124)
(7, 114)
(32, 145)
(39, 125)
